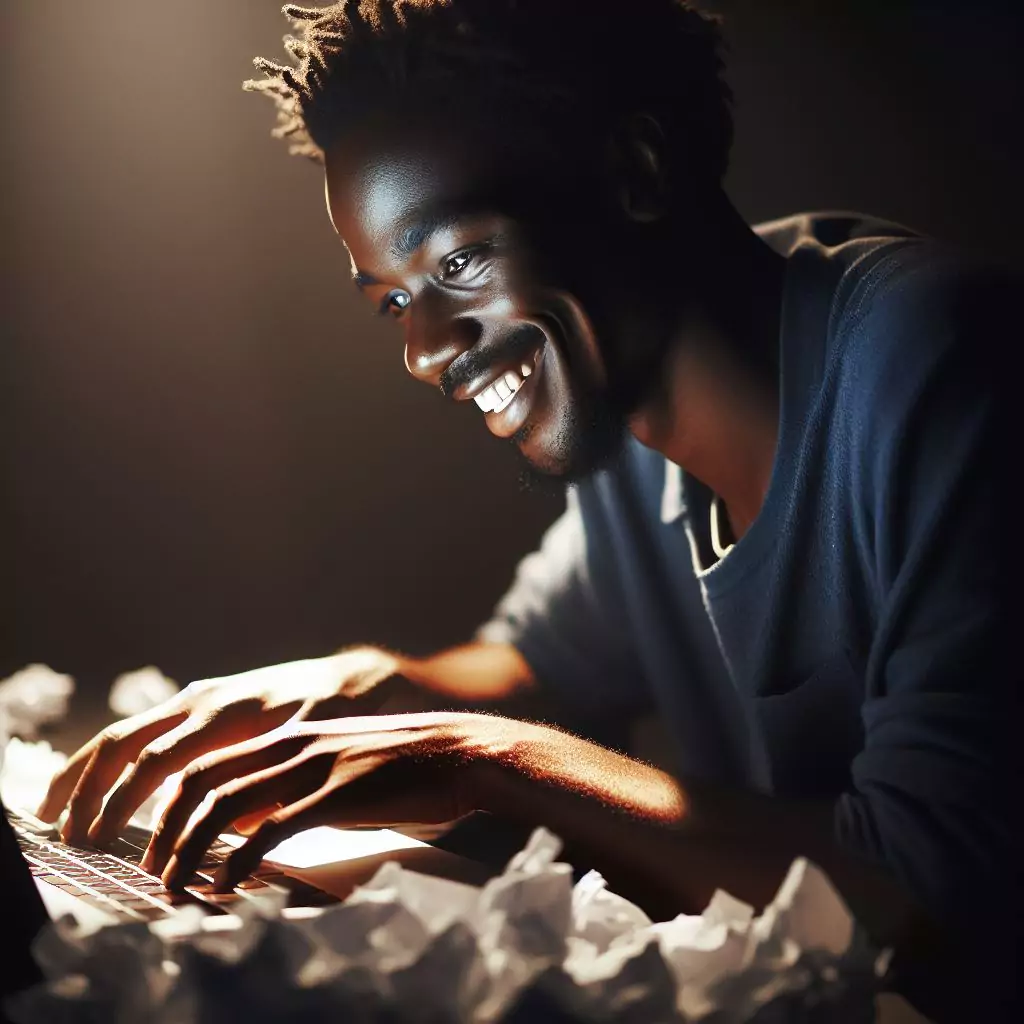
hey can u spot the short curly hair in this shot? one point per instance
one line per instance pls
(580, 58)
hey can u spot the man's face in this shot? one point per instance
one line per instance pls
(480, 249)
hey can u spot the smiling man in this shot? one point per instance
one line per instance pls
(783, 530)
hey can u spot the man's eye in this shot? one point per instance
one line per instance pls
(394, 303)
(454, 265)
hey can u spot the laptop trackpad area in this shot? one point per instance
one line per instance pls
(336, 860)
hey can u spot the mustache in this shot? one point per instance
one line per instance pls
(472, 363)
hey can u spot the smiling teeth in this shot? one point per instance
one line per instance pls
(500, 393)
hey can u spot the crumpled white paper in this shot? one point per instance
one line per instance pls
(33, 696)
(134, 692)
(529, 946)
(26, 769)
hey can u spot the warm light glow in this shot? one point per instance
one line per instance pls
(324, 845)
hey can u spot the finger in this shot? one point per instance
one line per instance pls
(148, 725)
(236, 762)
(250, 822)
(307, 812)
(112, 755)
(281, 783)
(168, 754)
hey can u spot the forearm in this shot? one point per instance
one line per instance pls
(668, 846)
(470, 676)
(470, 673)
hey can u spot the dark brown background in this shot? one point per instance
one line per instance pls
(213, 456)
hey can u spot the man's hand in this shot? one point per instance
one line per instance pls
(379, 771)
(205, 716)
(666, 846)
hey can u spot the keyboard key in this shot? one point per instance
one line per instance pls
(41, 874)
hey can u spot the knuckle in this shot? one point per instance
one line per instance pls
(195, 775)
(317, 750)
(227, 796)
(153, 753)
(267, 828)
(110, 739)
(126, 782)
(145, 759)
(200, 686)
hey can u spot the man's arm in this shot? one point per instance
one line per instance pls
(669, 845)
(471, 674)
(212, 714)
(558, 647)
(555, 612)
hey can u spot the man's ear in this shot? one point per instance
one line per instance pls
(638, 162)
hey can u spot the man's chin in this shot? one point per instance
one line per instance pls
(574, 457)
(537, 481)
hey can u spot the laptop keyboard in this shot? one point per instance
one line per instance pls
(112, 881)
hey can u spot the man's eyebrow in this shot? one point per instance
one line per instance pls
(362, 280)
(421, 227)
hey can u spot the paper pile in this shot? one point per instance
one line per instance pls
(527, 947)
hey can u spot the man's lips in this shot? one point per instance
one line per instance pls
(500, 391)
(504, 385)
(511, 415)
(513, 361)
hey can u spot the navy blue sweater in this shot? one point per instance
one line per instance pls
(853, 645)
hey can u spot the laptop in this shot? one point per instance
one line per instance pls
(45, 879)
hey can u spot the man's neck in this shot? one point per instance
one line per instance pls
(717, 413)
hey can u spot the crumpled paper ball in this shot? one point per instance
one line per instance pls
(134, 692)
(33, 696)
(26, 769)
(527, 947)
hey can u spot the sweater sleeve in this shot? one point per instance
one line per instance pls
(931, 788)
(563, 614)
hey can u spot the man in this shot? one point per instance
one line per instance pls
(782, 529)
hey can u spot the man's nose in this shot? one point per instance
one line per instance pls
(435, 339)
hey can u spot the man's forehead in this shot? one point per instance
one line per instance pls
(384, 174)
(386, 182)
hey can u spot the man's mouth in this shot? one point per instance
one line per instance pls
(507, 400)
(497, 396)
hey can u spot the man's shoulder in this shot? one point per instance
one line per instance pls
(828, 229)
(842, 262)
(918, 346)
(913, 305)
(881, 268)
